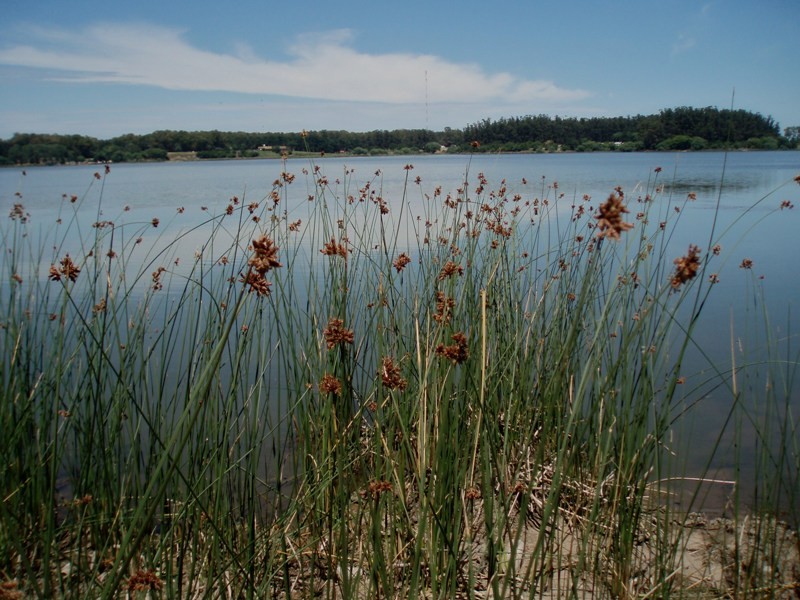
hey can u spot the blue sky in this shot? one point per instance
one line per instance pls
(109, 68)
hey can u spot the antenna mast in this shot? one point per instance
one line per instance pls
(426, 100)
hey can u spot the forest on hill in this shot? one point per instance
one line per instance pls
(682, 128)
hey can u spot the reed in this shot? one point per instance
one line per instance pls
(338, 396)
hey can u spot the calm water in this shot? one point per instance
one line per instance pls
(749, 183)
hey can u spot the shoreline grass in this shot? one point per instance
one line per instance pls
(361, 401)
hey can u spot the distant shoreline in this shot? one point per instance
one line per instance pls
(382, 155)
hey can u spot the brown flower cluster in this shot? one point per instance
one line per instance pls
(264, 259)
(157, 285)
(330, 385)
(68, 269)
(83, 501)
(18, 213)
(444, 308)
(498, 228)
(449, 269)
(333, 248)
(401, 261)
(746, 264)
(144, 581)
(609, 217)
(257, 283)
(472, 493)
(390, 375)
(686, 267)
(456, 352)
(377, 487)
(8, 589)
(336, 334)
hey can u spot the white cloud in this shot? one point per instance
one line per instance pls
(320, 66)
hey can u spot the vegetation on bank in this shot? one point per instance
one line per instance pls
(354, 399)
(672, 129)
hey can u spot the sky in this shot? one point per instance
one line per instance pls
(109, 68)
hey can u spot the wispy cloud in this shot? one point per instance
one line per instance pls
(321, 66)
(684, 43)
(698, 22)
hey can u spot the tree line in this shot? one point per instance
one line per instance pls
(682, 128)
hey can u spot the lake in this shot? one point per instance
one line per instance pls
(747, 188)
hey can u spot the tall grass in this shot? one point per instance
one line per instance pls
(354, 399)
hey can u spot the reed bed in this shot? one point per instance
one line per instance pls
(448, 394)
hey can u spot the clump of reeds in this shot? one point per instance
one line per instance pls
(482, 407)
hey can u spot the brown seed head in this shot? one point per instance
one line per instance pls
(472, 493)
(686, 267)
(449, 269)
(457, 352)
(377, 487)
(401, 261)
(265, 255)
(18, 212)
(157, 285)
(333, 248)
(609, 217)
(444, 308)
(336, 334)
(144, 581)
(330, 385)
(390, 375)
(68, 269)
(256, 282)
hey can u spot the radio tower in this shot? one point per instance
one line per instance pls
(426, 100)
